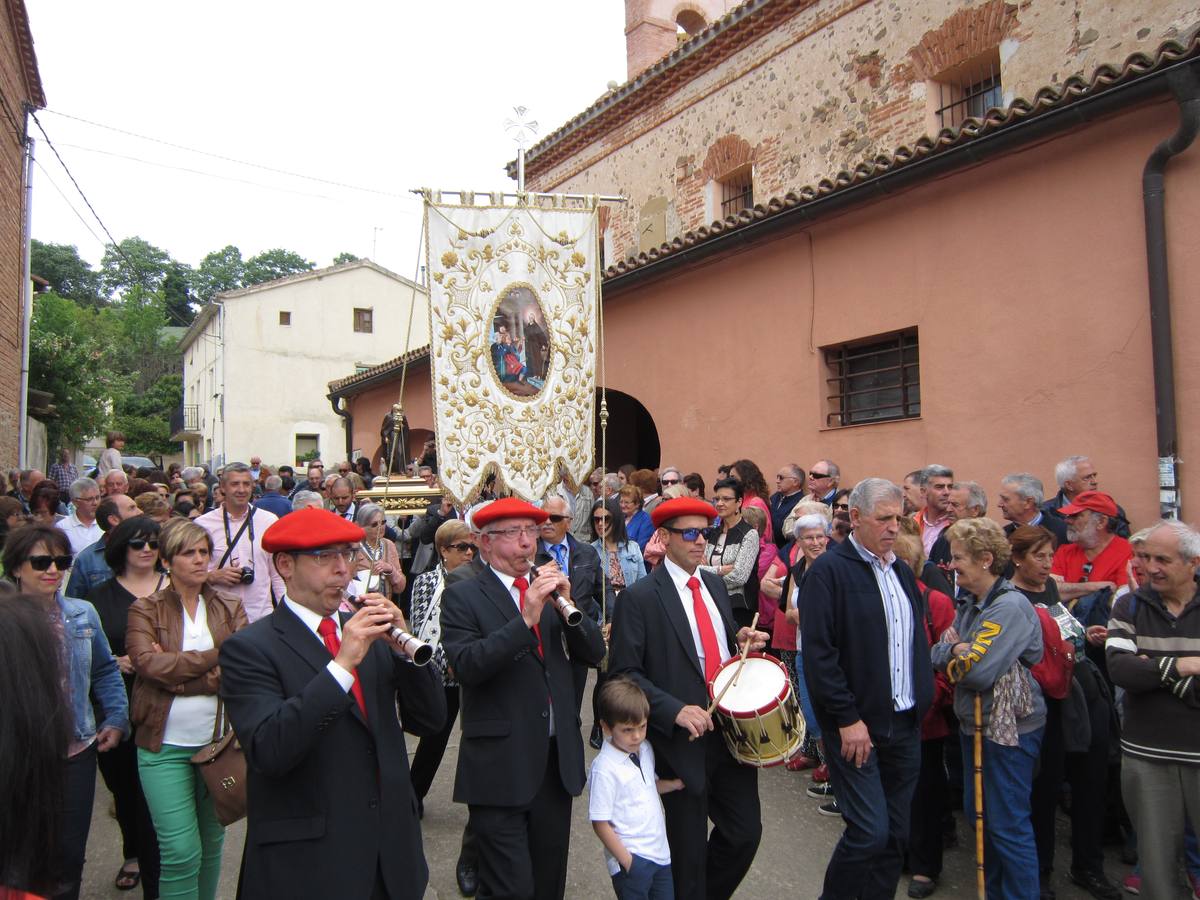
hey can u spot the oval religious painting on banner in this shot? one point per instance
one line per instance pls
(520, 341)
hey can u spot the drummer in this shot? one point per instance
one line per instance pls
(671, 632)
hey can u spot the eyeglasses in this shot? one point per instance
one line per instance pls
(557, 519)
(95, 498)
(717, 499)
(326, 557)
(595, 483)
(688, 534)
(143, 544)
(462, 547)
(841, 506)
(530, 531)
(1087, 571)
(817, 476)
(667, 482)
(603, 520)
(41, 563)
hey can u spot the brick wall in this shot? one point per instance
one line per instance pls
(13, 88)
(834, 83)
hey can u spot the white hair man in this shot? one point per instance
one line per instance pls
(1074, 475)
(1095, 557)
(81, 526)
(115, 482)
(1020, 500)
(1153, 652)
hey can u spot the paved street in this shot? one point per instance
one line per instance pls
(790, 862)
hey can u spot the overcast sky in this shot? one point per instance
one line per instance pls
(381, 95)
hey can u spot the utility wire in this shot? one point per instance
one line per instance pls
(66, 200)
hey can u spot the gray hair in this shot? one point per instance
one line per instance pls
(976, 496)
(303, 498)
(1067, 469)
(191, 473)
(933, 470)
(79, 485)
(870, 492)
(234, 468)
(273, 483)
(470, 516)
(612, 482)
(666, 469)
(1189, 538)
(812, 520)
(120, 473)
(1139, 537)
(1027, 486)
(366, 512)
(834, 471)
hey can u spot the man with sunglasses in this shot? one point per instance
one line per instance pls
(668, 477)
(789, 490)
(313, 695)
(671, 632)
(520, 760)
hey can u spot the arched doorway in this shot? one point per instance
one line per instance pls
(632, 435)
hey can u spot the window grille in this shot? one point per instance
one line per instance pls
(737, 192)
(874, 381)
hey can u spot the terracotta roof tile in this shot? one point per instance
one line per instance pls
(341, 384)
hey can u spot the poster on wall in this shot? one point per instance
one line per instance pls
(513, 340)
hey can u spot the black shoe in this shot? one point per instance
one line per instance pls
(820, 791)
(468, 878)
(921, 889)
(830, 809)
(597, 738)
(1095, 884)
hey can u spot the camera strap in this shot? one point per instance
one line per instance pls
(231, 542)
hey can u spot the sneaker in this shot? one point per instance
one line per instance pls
(800, 762)
(820, 774)
(820, 791)
(1132, 883)
(829, 809)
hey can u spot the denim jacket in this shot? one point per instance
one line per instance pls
(629, 555)
(94, 671)
(90, 570)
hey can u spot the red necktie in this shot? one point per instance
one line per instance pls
(708, 637)
(520, 584)
(328, 632)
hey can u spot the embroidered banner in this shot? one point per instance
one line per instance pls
(512, 341)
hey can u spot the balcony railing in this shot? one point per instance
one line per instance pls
(185, 422)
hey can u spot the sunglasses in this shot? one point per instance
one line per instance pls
(667, 482)
(689, 534)
(462, 547)
(600, 519)
(557, 519)
(41, 563)
(841, 506)
(143, 544)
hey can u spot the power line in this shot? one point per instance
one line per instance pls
(66, 200)
(223, 157)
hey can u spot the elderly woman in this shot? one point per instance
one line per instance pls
(43, 503)
(987, 653)
(637, 521)
(622, 557)
(376, 555)
(131, 551)
(732, 552)
(925, 843)
(455, 546)
(307, 500)
(36, 558)
(173, 638)
(152, 505)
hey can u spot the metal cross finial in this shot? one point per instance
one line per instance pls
(523, 129)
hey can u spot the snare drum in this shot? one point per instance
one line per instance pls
(758, 716)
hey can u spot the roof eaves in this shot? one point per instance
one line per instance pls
(18, 18)
(318, 273)
(198, 325)
(360, 381)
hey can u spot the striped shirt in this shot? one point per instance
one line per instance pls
(897, 614)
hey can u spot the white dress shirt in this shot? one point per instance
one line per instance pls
(897, 615)
(312, 621)
(81, 536)
(680, 578)
(625, 794)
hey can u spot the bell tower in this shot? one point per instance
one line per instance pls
(653, 28)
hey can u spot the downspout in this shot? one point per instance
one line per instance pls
(348, 424)
(1185, 85)
(27, 311)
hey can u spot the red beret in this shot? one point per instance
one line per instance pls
(681, 506)
(508, 508)
(310, 529)
(1097, 501)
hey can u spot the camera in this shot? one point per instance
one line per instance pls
(247, 576)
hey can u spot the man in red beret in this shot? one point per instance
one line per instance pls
(520, 760)
(312, 695)
(671, 632)
(1096, 556)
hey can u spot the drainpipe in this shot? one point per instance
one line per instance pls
(349, 423)
(26, 312)
(1185, 85)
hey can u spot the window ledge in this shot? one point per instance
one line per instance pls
(870, 424)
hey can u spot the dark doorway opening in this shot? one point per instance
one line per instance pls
(632, 435)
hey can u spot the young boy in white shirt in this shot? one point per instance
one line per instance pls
(624, 806)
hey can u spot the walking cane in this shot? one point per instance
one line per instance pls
(979, 881)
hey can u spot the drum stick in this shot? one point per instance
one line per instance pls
(736, 672)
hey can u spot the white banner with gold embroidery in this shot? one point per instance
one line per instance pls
(512, 342)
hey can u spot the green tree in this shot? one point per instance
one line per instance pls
(346, 258)
(132, 330)
(68, 359)
(272, 264)
(69, 275)
(177, 295)
(221, 270)
(145, 418)
(133, 262)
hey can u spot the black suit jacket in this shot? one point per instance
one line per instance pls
(329, 798)
(506, 692)
(652, 643)
(583, 571)
(1053, 523)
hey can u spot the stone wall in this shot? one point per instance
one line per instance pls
(834, 83)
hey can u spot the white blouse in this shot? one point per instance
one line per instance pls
(191, 719)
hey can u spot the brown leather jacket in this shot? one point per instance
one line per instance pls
(163, 676)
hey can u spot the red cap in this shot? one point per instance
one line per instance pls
(681, 506)
(310, 529)
(508, 508)
(1097, 501)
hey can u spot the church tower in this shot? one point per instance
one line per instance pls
(653, 28)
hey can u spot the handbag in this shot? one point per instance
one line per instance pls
(222, 765)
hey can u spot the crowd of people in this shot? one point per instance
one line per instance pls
(912, 625)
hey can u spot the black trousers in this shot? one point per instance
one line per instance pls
(1046, 786)
(928, 809)
(1087, 774)
(138, 838)
(75, 820)
(522, 850)
(712, 866)
(432, 747)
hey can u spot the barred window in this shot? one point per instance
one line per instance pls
(874, 380)
(967, 91)
(737, 192)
